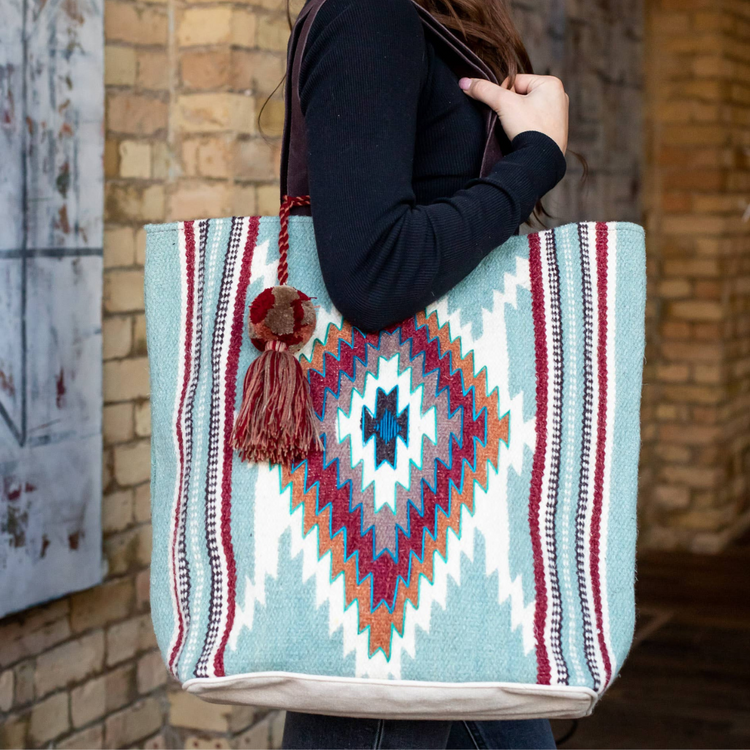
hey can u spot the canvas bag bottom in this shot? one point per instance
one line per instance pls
(395, 699)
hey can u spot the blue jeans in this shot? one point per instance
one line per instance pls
(313, 732)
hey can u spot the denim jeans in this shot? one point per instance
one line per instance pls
(314, 732)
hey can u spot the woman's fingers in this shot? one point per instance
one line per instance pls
(485, 91)
(525, 83)
(532, 103)
(492, 94)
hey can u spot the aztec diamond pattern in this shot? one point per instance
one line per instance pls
(386, 546)
(475, 493)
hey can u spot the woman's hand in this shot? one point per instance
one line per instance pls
(533, 103)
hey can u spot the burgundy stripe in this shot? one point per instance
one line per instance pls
(230, 379)
(190, 263)
(596, 518)
(540, 452)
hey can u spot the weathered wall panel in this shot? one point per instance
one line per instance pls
(51, 187)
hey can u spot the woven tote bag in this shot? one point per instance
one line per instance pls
(463, 545)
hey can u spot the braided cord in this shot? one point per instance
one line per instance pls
(287, 205)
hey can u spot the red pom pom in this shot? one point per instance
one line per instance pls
(282, 313)
(277, 422)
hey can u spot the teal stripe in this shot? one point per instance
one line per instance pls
(162, 291)
(629, 351)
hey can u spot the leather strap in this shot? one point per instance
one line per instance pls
(463, 61)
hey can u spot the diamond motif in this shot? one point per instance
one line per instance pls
(383, 496)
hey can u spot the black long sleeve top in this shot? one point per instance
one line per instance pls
(395, 148)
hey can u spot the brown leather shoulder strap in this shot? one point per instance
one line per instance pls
(294, 144)
(463, 61)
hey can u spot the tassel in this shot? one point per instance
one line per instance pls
(277, 422)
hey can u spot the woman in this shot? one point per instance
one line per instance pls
(395, 145)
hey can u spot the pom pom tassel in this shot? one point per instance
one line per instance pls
(276, 422)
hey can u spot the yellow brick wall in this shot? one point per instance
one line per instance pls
(184, 84)
(696, 462)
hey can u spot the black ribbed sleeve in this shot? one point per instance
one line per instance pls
(393, 143)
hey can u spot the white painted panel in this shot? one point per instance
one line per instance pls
(11, 123)
(51, 201)
(65, 94)
(64, 362)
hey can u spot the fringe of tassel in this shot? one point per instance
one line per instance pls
(276, 422)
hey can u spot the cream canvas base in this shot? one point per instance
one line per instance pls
(396, 699)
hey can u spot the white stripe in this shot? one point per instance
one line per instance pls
(189, 435)
(568, 483)
(585, 479)
(202, 399)
(213, 483)
(591, 458)
(557, 376)
(544, 504)
(221, 445)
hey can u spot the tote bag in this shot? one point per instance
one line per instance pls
(463, 545)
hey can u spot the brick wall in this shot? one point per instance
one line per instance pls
(185, 82)
(696, 462)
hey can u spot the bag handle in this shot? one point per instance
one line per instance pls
(463, 61)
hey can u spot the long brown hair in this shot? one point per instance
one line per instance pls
(487, 28)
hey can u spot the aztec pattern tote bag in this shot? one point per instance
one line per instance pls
(463, 545)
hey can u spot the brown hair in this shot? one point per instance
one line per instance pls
(487, 28)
